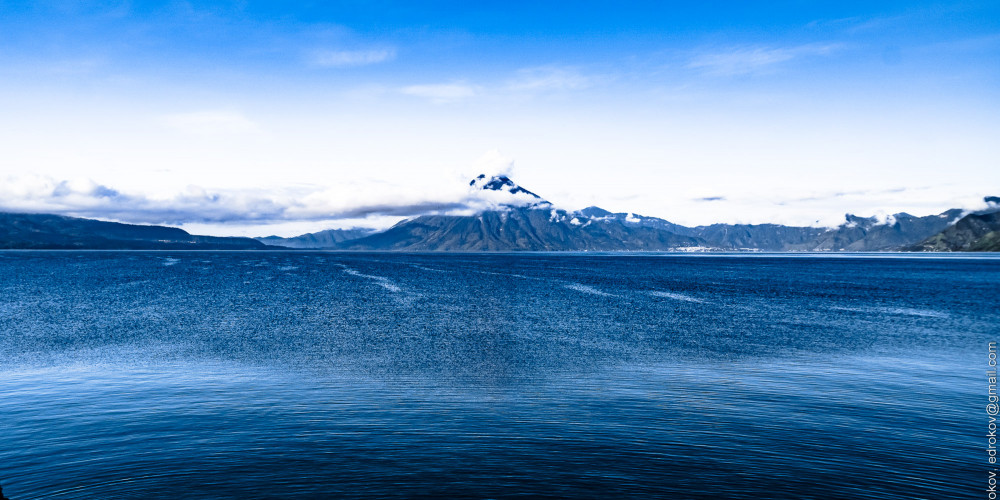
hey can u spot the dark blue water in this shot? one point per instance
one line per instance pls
(318, 375)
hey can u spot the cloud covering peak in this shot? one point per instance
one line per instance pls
(196, 205)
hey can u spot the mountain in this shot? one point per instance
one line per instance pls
(521, 220)
(635, 220)
(331, 238)
(45, 231)
(519, 229)
(872, 234)
(977, 232)
(763, 237)
(766, 237)
(502, 183)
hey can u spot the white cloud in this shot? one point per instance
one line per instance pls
(493, 163)
(797, 207)
(211, 122)
(442, 92)
(86, 198)
(347, 58)
(755, 59)
(296, 210)
(376, 202)
(525, 81)
(548, 78)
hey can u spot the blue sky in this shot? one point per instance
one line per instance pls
(259, 117)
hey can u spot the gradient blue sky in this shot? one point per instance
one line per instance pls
(261, 117)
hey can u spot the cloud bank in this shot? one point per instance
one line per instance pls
(86, 198)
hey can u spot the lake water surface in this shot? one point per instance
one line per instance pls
(319, 375)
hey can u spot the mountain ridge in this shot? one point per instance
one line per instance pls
(976, 232)
(514, 227)
(520, 220)
(59, 232)
(521, 229)
(326, 239)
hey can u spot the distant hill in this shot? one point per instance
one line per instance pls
(871, 234)
(857, 234)
(331, 238)
(766, 237)
(972, 233)
(45, 231)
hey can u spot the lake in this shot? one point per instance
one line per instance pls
(318, 375)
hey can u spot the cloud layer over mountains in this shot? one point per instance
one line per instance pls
(290, 209)
(85, 198)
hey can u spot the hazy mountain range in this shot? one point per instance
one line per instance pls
(331, 238)
(530, 222)
(521, 220)
(974, 233)
(46, 231)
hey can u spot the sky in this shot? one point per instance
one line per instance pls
(256, 118)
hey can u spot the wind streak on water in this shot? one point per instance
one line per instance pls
(512, 275)
(382, 281)
(905, 311)
(425, 268)
(675, 296)
(588, 289)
